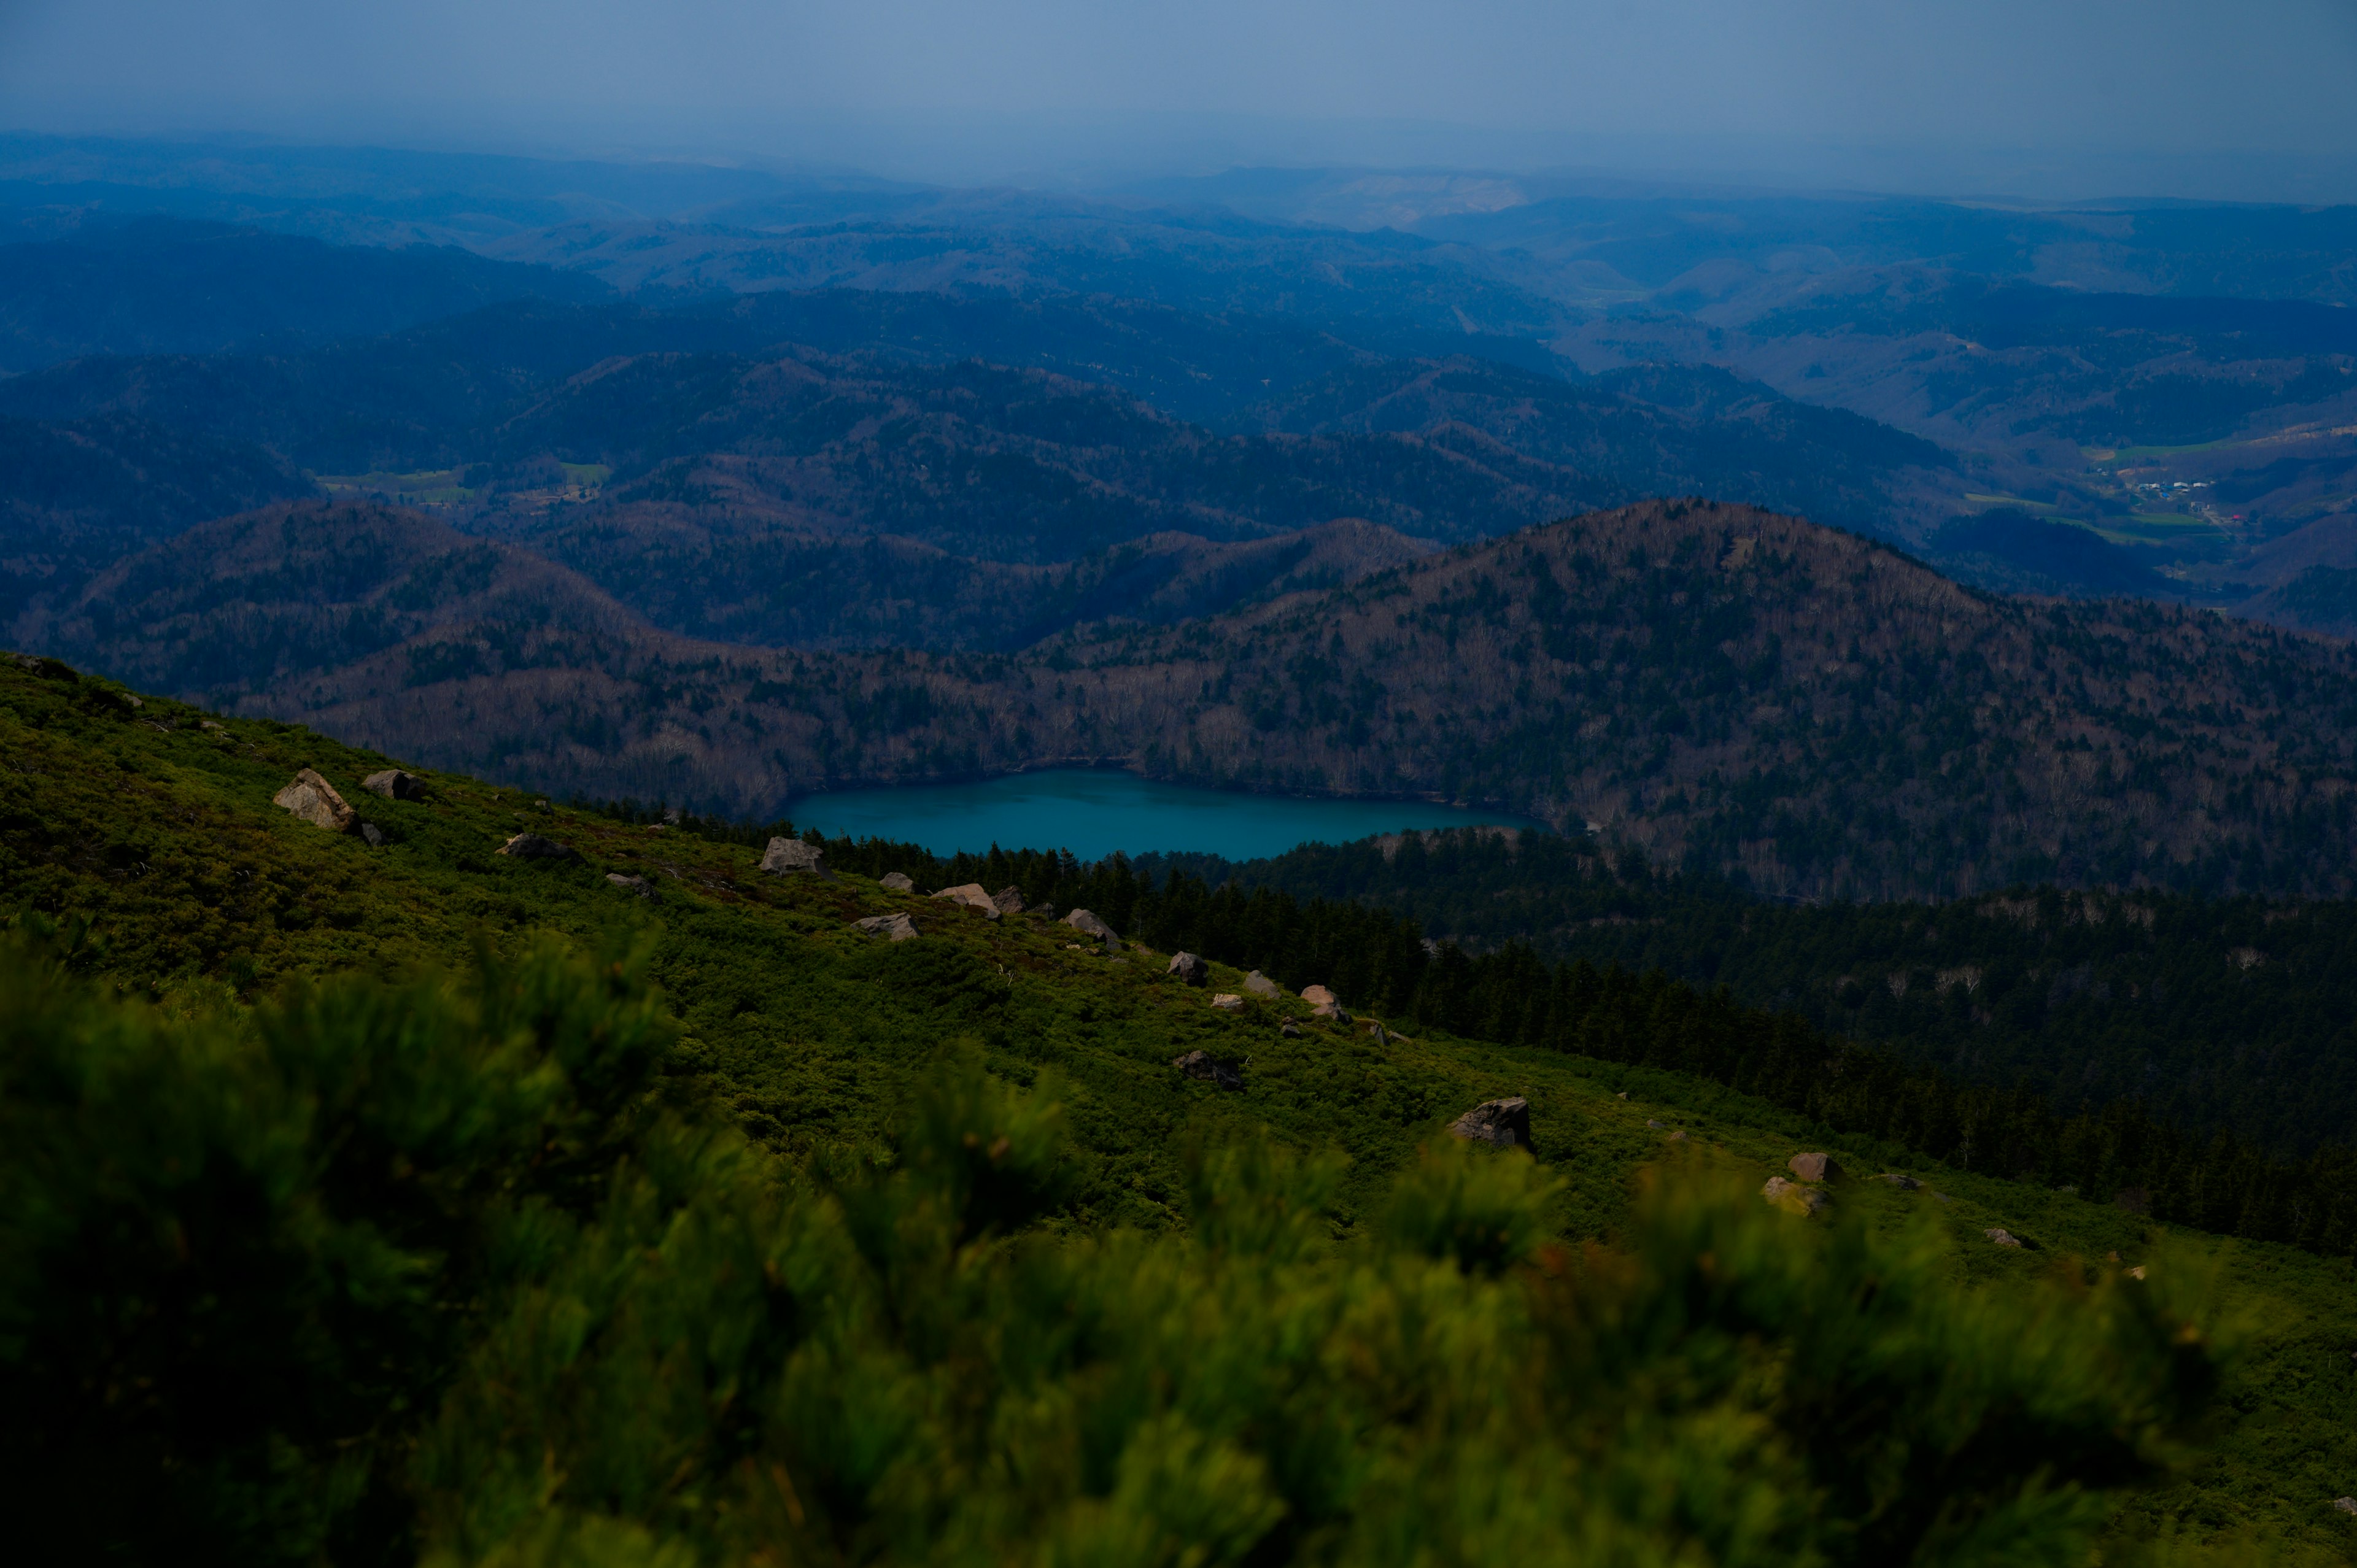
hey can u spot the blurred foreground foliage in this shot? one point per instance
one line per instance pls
(454, 1271)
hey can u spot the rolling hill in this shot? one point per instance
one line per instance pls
(1793, 707)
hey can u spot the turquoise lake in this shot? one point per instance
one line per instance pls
(1094, 812)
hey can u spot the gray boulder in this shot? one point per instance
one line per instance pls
(1289, 1029)
(1499, 1121)
(898, 881)
(1901, 1180)
(315, 800)
(637, 884)
(1007, 900)
(2346, 1505)
(532, 846)
(894, 926)
(2002, 1237)
(373, 834)
(1813, 1167)
(394, 785)
(1263, 986)
(1204, 1065)
(1187, 967)
(971, 896)
(1087, 924)
(1228, 1002)
(785, 856)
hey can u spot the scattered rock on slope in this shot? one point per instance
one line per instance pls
(1228, 1002)
(1089, 925)
(785, 856)
(1813, 1167)
(1189, 968)
(532, 846)
(1008, 900)
(637, 884)
(394, 785)
(1499, 1121)
(894, 927)
(898, 881)
(315, 800)
(971, 896)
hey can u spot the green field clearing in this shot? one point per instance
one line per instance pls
(435, 486)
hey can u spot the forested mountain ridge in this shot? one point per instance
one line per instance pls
(1748, 694)
(260, 601)
(77, 496)
(731, 484)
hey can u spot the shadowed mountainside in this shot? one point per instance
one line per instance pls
(77, 496)
(157, 285)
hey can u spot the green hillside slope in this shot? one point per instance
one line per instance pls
(533, 1269)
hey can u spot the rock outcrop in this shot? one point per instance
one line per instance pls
(1089, 925)
(1189, 968)
(971, 896)
(785, 856)
(1813, 1167)
(1261, 985)
(898, 881)
(394, 785)
(894, 927)
(635, 885)
(1008, 900)
(1228, 1002)
(1499, 1121)
(1324, 1004)
(532, 846)
(315, 800)
(1205, 1066)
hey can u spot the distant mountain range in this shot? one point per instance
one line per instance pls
(2176, 383)
(866, 481)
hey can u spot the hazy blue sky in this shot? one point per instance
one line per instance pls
(2080, 89)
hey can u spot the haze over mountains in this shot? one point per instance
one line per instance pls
(617, 434)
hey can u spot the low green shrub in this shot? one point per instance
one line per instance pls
(439, 1270)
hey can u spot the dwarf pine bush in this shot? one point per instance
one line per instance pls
(444, 1271)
